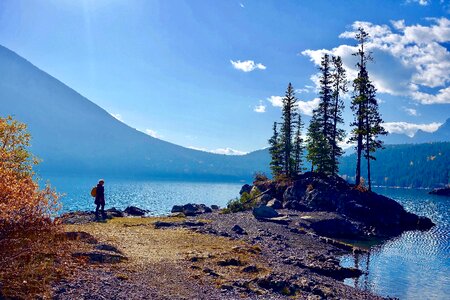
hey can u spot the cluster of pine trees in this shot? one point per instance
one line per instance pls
(324, 134)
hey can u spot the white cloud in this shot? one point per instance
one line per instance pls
(443, 96)
(411, 111)
(117, 116)
(420, 2)
(306, 89)
(276, 101)
(225, 151)
(307, 107)
(261, 108)
(408, 59)
(247, 65)
(410, 128)
(242, 5)
(153, 133)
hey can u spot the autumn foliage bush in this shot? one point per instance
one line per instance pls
(28, 232)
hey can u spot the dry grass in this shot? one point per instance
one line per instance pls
(168, 258)
(164, 248)
(30, 261)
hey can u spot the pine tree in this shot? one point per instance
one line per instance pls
(359, 99)
(373, 128)
(339, 80)
(321, 126)
(317, 146)
(311, 142)
(324, 110)
(275, 150)
(289, 115)
(298, 147)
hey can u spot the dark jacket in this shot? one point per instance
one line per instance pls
(100, 196)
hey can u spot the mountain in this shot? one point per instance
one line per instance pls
(75, 136)
(442, 134)
(408, 165)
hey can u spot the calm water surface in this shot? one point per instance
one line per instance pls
(156, 196)
(415, 265)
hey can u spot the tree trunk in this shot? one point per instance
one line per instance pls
(368, 173)
(359, 147)
(333, 149)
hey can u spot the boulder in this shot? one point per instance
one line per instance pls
(215, 207)
(275, 204)
(135, 211)
(177, 209)
(245, 189)
(238, 229)
(191, 209)
(284, 220)
(264, 199)
(114, 213)
(264, 212)
(336, 227)
(295, 205)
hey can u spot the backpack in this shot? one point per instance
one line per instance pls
(94, 191)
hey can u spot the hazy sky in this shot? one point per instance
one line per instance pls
(208, 74)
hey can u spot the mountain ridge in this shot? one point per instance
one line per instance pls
(75, 136)
(67, 126)
(442, 134)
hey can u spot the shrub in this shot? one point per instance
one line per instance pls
(28, 233)
(260, 177)
(361, 186)
(247, 201)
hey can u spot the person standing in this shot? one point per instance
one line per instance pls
(100, 199)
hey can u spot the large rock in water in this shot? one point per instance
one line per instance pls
(373, 214)
(441, 192)
(191, 209)
(135, 211)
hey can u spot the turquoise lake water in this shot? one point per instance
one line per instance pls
(415, 265)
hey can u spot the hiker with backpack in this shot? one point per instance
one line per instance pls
(99, 195)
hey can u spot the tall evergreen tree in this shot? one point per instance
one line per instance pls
(276, 152)
(298, 147)
(289, 112)
(321, 126)
(359, 99)
(339, 81)
(324, 110)
(312, 142)
(373, 128)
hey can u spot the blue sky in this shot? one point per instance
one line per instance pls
(208, 74)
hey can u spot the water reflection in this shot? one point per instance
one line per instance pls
(414, 265)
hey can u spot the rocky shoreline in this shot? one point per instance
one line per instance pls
(285, 260)
(287, 246)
